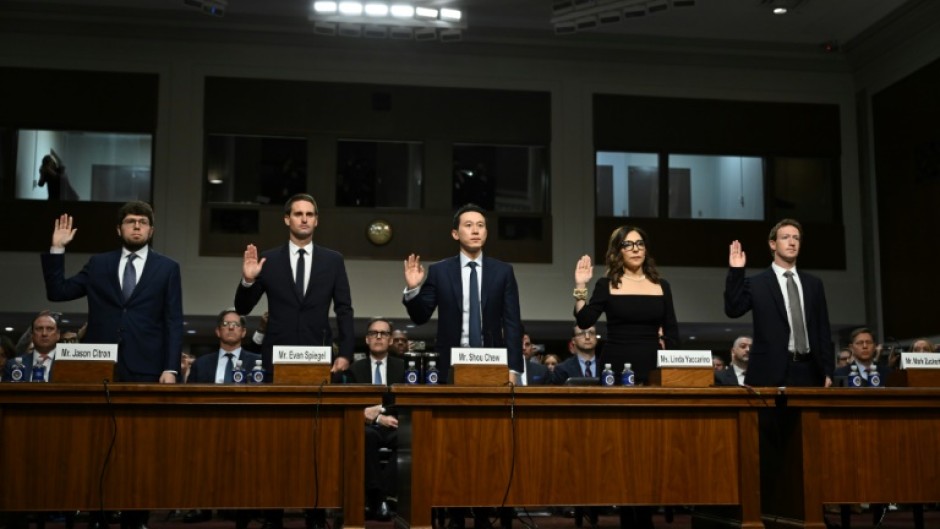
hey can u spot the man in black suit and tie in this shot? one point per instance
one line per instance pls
(300, 279)
(582, 362)
(134, 296)
(476, 297)
(44, 332)
(381, 420)
(217, 368)
(734, 374)
(792, 340)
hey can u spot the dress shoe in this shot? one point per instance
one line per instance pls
(197, 516)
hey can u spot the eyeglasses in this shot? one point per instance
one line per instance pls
(230, 324)
(629, 245)
(378, 334)
(135, 222)
(587, 333)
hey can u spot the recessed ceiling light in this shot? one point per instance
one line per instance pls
(780, 11)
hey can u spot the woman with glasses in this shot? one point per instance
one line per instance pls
(637, 301)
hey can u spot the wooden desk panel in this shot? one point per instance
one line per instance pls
(858, 446)
(180, 447)
(580, 446)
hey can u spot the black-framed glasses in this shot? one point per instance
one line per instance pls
(629, 245)
(134, 222)
(379, 334)
(230, 324)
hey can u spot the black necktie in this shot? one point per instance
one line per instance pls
(229, 369)
(476, 329)
(301, 275)
(130, 277)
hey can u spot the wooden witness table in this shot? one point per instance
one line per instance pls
(866, 445)
(183, 447)
(579, 446)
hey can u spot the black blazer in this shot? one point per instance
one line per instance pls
(769, 357)
(148, 327)
(296, 321)
(726, 377)
(499, 300)
(203, 369)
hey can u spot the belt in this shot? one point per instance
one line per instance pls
(799, 357)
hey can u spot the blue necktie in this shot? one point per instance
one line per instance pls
(587, 369)
(130, 277)
(476, 329)
(301, 275)
(229, 369)
(377, 377)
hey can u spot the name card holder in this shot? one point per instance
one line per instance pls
(301, 366)
(683, 369)
(84, 363)
(480, 366)
(914, 378)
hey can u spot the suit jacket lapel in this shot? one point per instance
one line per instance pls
(774, 285)
(486, 285)
(289, 273)
(112, 271)
(455, 279)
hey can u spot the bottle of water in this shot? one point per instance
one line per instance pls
(432, 376)
(238, 375)
(607, 376)
(18, 372)
(411, 373)
(855, 378)
(627, 378)
(874, 379)
(39, 372)
(257, 373)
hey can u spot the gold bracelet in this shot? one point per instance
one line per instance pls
(580, 294)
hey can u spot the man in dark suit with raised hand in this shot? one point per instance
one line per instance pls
(134, 296)
(476, 297)
(301, 280)
(792, 343)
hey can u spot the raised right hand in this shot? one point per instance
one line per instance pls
(414, 271)
(251, 267)
(736, 256)
(63, 232)
(583, 271)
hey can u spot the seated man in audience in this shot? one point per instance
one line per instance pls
(218, 368)
(862, 344)
(382, 430)
(399, 343)
(740, 353)
(922, 345)
(582, 362)
(44, 333)
(718, 362)
(844, 358)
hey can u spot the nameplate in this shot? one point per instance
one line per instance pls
(920, 361)
(302, 354)
(479, 356)
(101, 352)
(679, 358)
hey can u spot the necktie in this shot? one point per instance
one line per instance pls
(587, 369)
(229, 368)
(130, 277)
(476, 328)
(797, 326)
(377, 376)
(301, 273)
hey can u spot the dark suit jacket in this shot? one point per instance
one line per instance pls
(845, 371)
(203, 369)
(726, 377)
(361, 370)
(148, 327)
(296, 321)
(499, 300)
(568, 369)
(769, 357)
